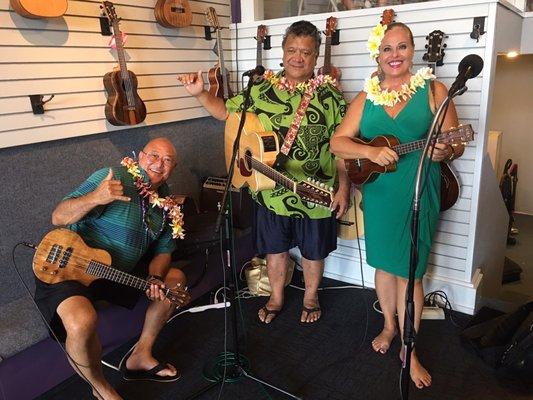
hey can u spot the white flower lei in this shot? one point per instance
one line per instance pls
(384, 97)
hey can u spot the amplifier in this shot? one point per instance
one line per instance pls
(242, 203)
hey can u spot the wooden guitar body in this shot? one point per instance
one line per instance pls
(64, 256)
(173, 13)
(117, 110)
(216, 83)
(256, 142)
(363, 170)
(40, 8)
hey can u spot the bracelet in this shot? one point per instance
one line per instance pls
(150, 277)
(452, 156)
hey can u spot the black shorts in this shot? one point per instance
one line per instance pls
(273, 234)
(49, 296)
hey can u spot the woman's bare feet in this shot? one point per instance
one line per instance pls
(419, 375)
(381, 342)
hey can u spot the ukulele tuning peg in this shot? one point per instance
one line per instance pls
(331, 189)
(322, 185)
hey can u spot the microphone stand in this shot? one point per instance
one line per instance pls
(232, 366)
(409, 333)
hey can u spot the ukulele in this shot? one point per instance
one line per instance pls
(257, 153)
(40, 8)
(260, 37)
(435, 49)
(62, 255)
(173, 13)
(328, 68)
(218, 75)
(124, 106)
(362, 170)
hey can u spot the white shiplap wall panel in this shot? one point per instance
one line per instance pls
(449, 254)
(68, 57)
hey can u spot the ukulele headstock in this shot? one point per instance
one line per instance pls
(212, 18)
(460, 135)
(435, 48)
(387, 17)
(331, 26)
(261, 33)
(109, 10)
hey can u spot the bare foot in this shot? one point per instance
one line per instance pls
(269, 311)
(419, 374)
(145, 362)
(311, 311)
(381, 342)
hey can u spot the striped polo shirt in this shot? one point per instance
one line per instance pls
(118, 227)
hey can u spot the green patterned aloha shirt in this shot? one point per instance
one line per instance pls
(309, 155)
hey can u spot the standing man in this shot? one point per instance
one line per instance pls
(109, 212)
(282, 221)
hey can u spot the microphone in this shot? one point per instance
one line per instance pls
(257, 71)
(468, 68)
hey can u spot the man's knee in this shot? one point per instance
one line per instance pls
(175, 276)
(78, 316)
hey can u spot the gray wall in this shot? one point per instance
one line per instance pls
(35, 178)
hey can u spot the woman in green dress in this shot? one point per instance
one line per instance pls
(396, 102)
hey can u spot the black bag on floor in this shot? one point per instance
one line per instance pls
(504, 341)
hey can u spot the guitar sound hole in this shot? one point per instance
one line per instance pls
(247, 164)
(180, 10)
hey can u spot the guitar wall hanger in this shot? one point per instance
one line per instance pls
(105, 28)
(37, 102)
(478, 28)
(335, 37)
(266, 42)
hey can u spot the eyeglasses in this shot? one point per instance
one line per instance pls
(154, 157)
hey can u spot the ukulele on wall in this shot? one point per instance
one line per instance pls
(328, 68)
(40, 8)
(260, 37)
(435, 49)
(218, 75)
(124, 106)
(173, 13)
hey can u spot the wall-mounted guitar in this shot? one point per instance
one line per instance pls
(124, 106)
(449, 182)
(40, 8)
(173, 13)
(328, 68)
(257, 153)
(362, 170)
(218, 75)
(260, 37)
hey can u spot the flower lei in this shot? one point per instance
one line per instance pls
(374, 40)
(170, 208)
(309, 86)
(384, 97)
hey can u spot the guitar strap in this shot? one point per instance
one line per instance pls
(290, 137)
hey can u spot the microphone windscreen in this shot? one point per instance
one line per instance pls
(475, 63)
(260, 70)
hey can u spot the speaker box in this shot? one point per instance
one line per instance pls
(242, 203)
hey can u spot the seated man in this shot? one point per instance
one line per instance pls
(112, 211)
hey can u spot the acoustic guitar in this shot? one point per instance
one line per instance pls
(218, 76)
(62, 255)
(257, 153)
(173, 13)
(328, 68)
(124, 106)
(40, 8)
(362, 170)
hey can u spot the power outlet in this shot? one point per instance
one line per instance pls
(432, 313)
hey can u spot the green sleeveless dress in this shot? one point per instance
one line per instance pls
(387, 201)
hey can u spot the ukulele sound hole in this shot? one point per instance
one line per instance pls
(180, 10)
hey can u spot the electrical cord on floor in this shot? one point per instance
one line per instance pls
(432, 299)
(73, 363)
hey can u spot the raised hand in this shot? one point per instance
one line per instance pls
(109, 190)
(193, 83)
(382, 155)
